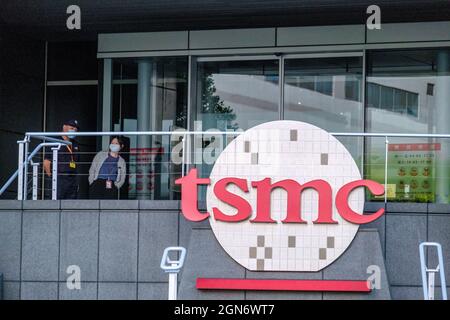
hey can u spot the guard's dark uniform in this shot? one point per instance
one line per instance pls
(68, 159)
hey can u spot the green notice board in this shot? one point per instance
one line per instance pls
(411, 171)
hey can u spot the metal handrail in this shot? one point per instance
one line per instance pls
(391, 135)
(49, 136)
(428, 283)
(29, 158)
(44, 138)
(129, 133)
(181, 132)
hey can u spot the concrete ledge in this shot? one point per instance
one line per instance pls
(80, 204)
(201, 225)
(404, 233)
(207, 259)
(79, 242)
(159, 204)
(438, 208)
(373, 206)
(10, 240)
(119, 205)
(39, 290)
(55, 234)
(11, 290)
(202, 205)
(42, 205)
(365, 251)
(118, 245)
(40, 245)
(407, 292)
(152, 291)
(406, 207)
(88, 291)
(10, 205)
(117, 291)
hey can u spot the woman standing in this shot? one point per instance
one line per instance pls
(108, 171)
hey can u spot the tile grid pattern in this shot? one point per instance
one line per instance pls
(394, 229)
(281, 151)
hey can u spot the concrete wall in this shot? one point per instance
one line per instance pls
(118, 246)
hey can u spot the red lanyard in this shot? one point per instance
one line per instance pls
(71, 153)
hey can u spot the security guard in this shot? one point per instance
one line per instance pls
(68, 157)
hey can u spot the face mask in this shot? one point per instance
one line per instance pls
(114, 147)
(71, 137)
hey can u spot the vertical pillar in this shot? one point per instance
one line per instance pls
(35, 180)
(20, 167)
(55, 172)
(143, 124)
(107, 100)
(442, 112)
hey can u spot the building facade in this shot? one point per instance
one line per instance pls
(336, 73)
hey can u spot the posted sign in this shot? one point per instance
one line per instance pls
(282, 196)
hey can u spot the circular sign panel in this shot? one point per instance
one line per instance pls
(282, 150)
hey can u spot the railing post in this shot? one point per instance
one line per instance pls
(35, 180)
(429, 274)
(55, 172)
(431, 277)
(21, 163)
(386, 141)
(187, 159)
(172, 267)
(20, 169)
(25, 169)
(183, 157)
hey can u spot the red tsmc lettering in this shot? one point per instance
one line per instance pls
(189, 196)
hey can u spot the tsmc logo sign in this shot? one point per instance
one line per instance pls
(282, 196)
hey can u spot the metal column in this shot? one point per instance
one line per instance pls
(143, 120)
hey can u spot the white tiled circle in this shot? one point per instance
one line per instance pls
(285, 150)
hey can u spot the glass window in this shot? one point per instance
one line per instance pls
(412, 104)
(233, 95)
(331, 99)
(324, 84)
(353, 88)
(415, 90)
(373, 95)
(236, 94)
(399, 101)
(150, 94)
(324, 92)
(305, 82)
(125, 69)
(386, 98)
